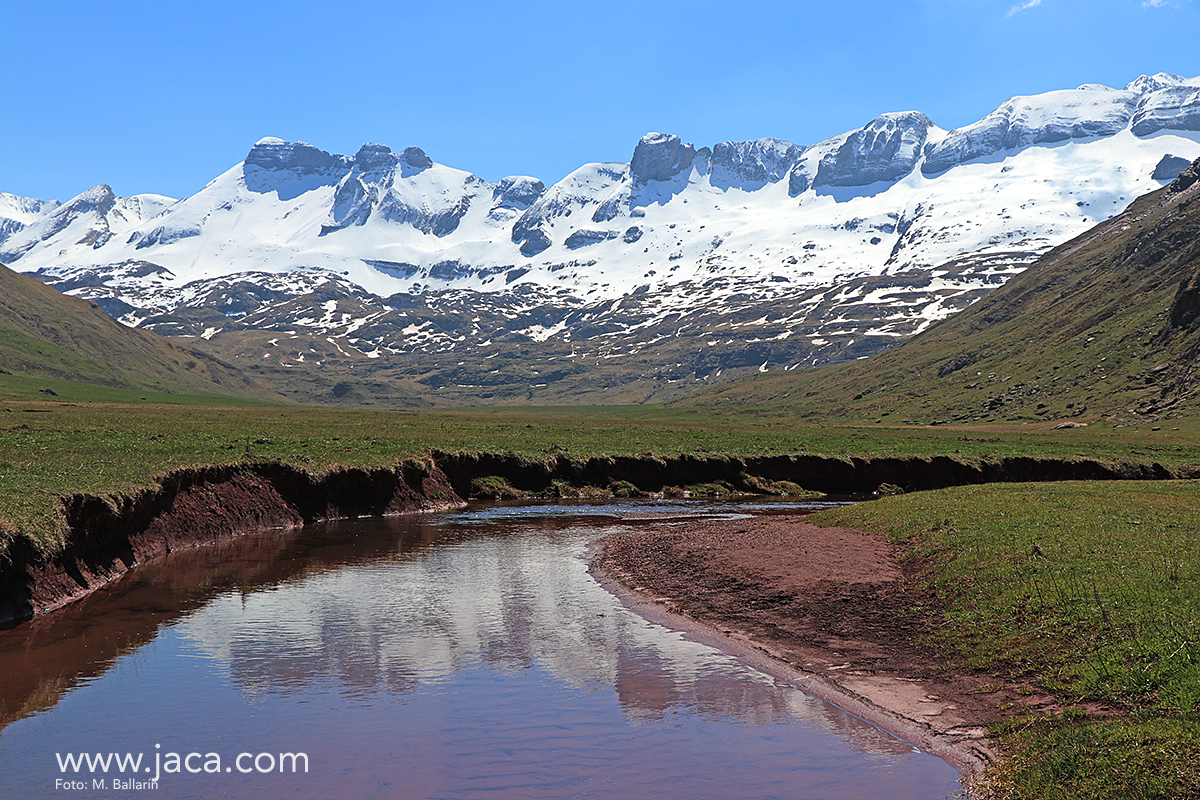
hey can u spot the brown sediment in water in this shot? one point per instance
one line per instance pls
(834, 609)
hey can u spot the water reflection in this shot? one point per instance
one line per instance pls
(42, 658)
(470, 653)
(512, 600)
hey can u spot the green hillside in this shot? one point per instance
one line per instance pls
(1106, 326)
(48, 337)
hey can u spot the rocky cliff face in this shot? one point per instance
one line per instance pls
(761, 161)
(884, 150)
(660, 157)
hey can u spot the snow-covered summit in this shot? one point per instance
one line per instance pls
(1162, 80)
(88, 221)
(16, 212)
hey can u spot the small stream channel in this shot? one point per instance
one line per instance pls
(458, 655)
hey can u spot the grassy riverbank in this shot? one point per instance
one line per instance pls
(1089, 592)
(58, 445)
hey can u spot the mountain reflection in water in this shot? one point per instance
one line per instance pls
(442, 633)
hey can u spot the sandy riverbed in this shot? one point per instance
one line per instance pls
(832, 608)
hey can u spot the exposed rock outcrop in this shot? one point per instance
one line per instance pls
(584, 236)
(1169, 167)
(372, 156)
(1176, 108)
(660, 157)
(517, 192)
(885, 149)
(758, 161)
(416, 157)
(299, 157)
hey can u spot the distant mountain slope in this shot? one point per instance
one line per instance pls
(47, 334)
(626, 282)
(1104, 326)
(16, 213)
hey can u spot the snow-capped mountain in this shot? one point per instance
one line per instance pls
(684, 264)
(17, 212)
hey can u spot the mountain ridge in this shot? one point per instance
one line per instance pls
(762, 255)
(45, 334)
(1104, 328)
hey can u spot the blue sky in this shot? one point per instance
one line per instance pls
(162, 97)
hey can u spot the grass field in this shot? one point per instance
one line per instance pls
(105, 441)
(1089, 590)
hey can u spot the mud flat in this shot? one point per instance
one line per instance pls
(831, 609)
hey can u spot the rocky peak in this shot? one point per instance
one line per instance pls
(885, 149)
(758, 161)
(372, 156)
(99, 198)
(1152, 83)
(517, 192)
(660, 157)
(415, 157)
(275, 154)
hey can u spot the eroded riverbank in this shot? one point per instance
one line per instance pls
(107, 536)
(462, 654)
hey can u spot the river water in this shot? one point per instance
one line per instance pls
(457, 655)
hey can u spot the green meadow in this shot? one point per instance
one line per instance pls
(1087, 590)
(104, 441)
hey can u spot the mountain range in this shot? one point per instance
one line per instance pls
(385, 277)
(1105, 327)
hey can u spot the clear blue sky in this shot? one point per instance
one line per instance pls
(162, 97)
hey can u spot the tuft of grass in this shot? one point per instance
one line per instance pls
(625, 489)
(495, 487)
(1073, 757)
(779, 488)
(715, 489)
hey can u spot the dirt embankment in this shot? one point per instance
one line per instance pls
(189, 508)
(107, 537)
(821, 473)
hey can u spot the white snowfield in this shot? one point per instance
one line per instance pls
(839, 224)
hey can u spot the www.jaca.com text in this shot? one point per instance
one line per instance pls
(176, 763)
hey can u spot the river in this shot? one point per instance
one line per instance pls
(466, 654)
